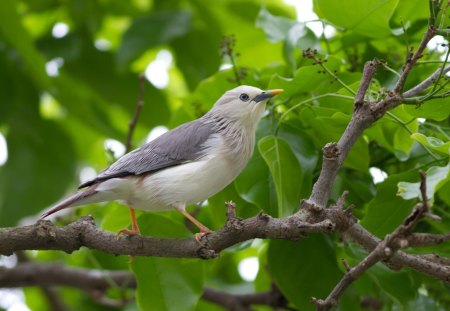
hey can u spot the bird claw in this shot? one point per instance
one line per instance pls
(199, 236)
(128, 232)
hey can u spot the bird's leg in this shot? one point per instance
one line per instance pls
(180, 207)
(134, 224)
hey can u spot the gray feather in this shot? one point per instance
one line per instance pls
(180, 145)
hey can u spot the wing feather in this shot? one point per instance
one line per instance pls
(183, 144)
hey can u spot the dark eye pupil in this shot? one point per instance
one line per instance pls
(244, 97)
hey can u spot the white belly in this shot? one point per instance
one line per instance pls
(186, 183)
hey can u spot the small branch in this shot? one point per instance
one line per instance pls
(422, 86)
(52, 274)
(312, 54)
(431, 32)
(137, 112)
(51, 294)
(434, 258)
(97, 282)
(426, 239)
(370, 68)
(242, 302)
(54, 299)
(227, 49)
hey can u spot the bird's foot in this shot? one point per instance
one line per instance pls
(129, 232)
(203, 232)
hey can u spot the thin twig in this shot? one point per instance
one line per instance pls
(426, 83)
(136, 114)
(431, 31)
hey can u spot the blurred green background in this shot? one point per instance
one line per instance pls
(69, 82)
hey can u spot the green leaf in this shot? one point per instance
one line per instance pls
(294, 34)
(296, 267)
(197, 64)
(436, 109)
(436, 177)
(424, 303)
(328, 125)
(409, 11)
(304, 150)
(387, 210)
(432, 142)
(285, 170)
(85, 104)
(390, 134)
(116, 217)
(236, 16)
(151, 31)
(276, 28)
(368, 18)
(307, 79)
(254, 184)
(39, 150)
(95, 73)
(171, 284)
(398, 286)
(14, 32)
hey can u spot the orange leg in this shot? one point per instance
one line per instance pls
(134, 225)
(203, 229)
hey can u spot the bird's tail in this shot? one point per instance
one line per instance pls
(79, 198)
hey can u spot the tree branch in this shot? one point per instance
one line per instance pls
(44, 235)
(422, 86)
(370, 68)
(53, 274)
(384, 250)
(97, 282)
(412, 59)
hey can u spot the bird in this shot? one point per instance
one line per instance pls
(183, 166)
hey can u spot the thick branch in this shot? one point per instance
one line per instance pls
(44, 235)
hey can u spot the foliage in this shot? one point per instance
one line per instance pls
(56, 126)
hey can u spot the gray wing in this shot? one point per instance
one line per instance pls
(180, 145)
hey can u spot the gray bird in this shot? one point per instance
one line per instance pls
(185, 165)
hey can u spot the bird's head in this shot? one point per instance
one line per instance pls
(243, 103)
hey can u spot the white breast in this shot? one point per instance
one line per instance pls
(191, 182)
(188, 183)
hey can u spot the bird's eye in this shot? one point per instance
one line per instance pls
(244, 97)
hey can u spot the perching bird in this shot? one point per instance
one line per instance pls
(185, 165)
